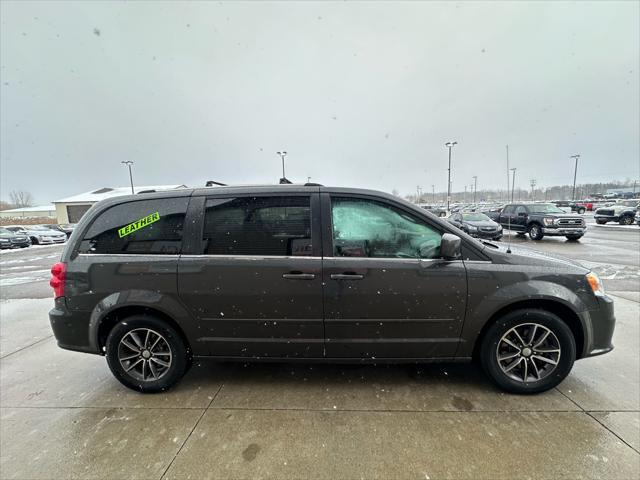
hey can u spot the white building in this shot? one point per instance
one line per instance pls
(30, 212)
(71, 209)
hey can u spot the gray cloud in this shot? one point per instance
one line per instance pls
(360, 94)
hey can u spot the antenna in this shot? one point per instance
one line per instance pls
(509, 241)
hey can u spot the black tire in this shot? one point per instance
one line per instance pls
(581, 211)
(34, 241)
(491, 342)
(179, 354)
(535, 231)
(601, 222)
(626, 220)
(574, 238)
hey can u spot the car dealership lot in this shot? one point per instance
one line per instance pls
(64, 416)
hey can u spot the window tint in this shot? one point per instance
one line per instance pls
(520, 209)
(508, 209)
(142, 227)
(266, 226)
(364, 228)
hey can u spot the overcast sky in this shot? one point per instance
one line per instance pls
(359, 94)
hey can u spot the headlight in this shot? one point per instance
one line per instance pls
(471, 228)
(549, 221)
(595, 284)
(4, 240)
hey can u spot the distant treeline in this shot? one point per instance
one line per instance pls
(558, 192)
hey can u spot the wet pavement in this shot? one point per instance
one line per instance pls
(63, 415)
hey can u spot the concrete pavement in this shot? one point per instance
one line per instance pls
(62, 414)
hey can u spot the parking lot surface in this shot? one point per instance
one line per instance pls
(64, 416)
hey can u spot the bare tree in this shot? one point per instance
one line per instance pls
(21, 198)
(5, 205)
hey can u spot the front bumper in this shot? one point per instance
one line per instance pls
(4, 245)
(599, 326)
(608, 218)
(563, 231)
(491, 235)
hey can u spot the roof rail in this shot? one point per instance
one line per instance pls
(310, 184)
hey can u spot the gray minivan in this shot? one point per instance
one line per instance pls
(312, 273)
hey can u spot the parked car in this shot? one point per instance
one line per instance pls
(38, 234)
(638, 217)
(437, 211)
(9, 239)
(287, 272)
(477, 225)
(569, 206)
(540, 219)
(622, 212)
(66, 228)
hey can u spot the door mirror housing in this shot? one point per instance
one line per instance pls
(522, 214)
(450, 246)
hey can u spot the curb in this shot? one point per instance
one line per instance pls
(621, 228)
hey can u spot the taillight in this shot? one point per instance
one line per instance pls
(58, 274)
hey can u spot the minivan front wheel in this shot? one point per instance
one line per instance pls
(146, 354)
(528, 351)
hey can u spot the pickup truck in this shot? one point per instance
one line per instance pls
(622, 212)
(540, 220)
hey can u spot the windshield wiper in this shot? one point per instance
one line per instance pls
(489, 244)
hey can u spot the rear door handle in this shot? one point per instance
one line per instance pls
(298, 276)
(346, 276)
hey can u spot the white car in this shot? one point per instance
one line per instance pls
(38, 234)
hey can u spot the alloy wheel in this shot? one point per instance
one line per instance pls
(528, 352)
(144, 354)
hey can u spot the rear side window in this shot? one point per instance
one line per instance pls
(139, 227)
(264, 226)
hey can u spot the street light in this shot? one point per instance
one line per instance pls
(449, 145)
(128, 163)
(513, 182)
(282, 155)
(475, 187)
(433, 193)
(575, 174)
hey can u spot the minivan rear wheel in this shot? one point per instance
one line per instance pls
(528, 351)
(146, 354)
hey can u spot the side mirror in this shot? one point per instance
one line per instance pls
(450, 247)
(522, 214)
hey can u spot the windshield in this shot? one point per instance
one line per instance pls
(545, 208)
(39, 227)
(4, 231)
(475, 217)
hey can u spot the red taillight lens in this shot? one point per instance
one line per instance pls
(58, 274)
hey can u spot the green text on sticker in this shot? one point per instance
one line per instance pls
(138, 224)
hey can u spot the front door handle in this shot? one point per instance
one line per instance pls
(298, 276)
(346, 276)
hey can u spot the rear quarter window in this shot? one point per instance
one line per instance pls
(138, 227)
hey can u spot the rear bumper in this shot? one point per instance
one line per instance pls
(71, 329)
(563, 231)
(599, 325)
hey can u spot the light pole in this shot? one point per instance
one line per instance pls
(282, 155)
(449, 145)
(128, 163)
(433, 193)
(513, 182)
(575, 174)
(533, 192)
(475, 187)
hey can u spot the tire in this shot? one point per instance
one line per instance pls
(535, 232)
(34, 241)
(581, 211)
(525, 322)
(574, 238)
(168, 344)
(626, 220)
(601, 222)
